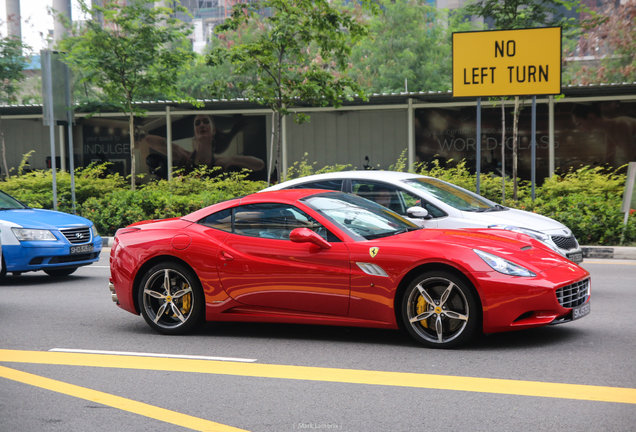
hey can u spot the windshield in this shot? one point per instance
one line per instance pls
(359, 217)
(454, 196)
(7, 202)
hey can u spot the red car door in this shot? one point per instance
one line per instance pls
(278, 273)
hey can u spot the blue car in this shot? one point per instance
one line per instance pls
(35, 239)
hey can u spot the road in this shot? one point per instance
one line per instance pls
(577, 376)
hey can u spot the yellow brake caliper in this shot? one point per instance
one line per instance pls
(421, 307)
(186, 302)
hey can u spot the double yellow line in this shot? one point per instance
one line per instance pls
(349, 376)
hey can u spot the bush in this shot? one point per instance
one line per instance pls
(588, 200)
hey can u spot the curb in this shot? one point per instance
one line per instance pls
(616, 252)
(602, 252)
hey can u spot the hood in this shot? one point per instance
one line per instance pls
(43, 219)
(518, 218)
(512, 246)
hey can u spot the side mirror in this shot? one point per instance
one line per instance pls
(305, 235)
(417, 212)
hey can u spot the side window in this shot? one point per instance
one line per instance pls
(220, 220)
(384, 194)
(432, 210)
(335, 185)
(274, 221)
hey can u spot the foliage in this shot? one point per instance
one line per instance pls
(612, 43)
(303, 168)
(12, 63)
(587, 200)
(182, 195)
(299, 54)
(521, 14)
(408, 40)
(137, 52)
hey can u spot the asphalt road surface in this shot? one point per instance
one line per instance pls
(55, 376)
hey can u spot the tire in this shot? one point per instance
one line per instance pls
(177, 310)
(60, 272)
(440, 310)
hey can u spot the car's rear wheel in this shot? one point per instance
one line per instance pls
(440, 310)
(60, 272)
(171, 299)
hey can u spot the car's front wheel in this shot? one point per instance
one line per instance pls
(171, 299)
(60, 272)
(440, 310)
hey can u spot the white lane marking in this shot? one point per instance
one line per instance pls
(138, 354)
(94, 266)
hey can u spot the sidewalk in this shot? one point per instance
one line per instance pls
(613, 252)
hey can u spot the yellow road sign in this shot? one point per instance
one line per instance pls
(507, 62)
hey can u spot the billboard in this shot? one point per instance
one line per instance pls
(595, 134)
(227, 142)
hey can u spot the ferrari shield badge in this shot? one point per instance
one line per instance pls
(373, 251)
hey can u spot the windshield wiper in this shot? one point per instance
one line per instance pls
(405, 230)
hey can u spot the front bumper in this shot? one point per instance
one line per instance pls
(38, 255)
(514, 303)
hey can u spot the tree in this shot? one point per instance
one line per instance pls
(408, 40)
(518, 14)
(12, 63)
(137, 52)
(299, 54)
(612, 43)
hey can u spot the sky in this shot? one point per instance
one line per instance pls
(39, 21)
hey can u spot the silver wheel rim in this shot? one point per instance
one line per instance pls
(168, 299)
(437, 310)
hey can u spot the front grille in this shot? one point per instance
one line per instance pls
(73, 258)
(574, 295)
(36, 261)
(566, 243)
(77, 235)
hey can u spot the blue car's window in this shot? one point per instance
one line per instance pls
(7, 202)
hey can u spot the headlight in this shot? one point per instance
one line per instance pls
(503, 266)
(544, 238)
(24, 234)
(94, 230)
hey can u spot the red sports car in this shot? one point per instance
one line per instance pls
(318, 257)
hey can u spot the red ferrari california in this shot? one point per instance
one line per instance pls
(317, 257)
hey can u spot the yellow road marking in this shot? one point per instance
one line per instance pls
(351, 376)
(121, 403)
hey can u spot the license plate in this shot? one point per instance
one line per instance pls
(82, 248)
(581, 311)
(576, 257)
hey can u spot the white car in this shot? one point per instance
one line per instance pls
(433, 203)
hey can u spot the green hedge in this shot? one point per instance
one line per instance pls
(587, 200)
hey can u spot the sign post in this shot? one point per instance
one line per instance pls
(507, 63)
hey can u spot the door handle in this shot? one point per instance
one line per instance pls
(226, 256)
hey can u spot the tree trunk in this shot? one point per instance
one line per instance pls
(271, 148)
(4, 152)
(515, 136)
(131, 130)
(279, 152)
(503, 152)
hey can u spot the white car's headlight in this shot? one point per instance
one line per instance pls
(538, 235)
(94, 230)
(24, 234)
(502, 265)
